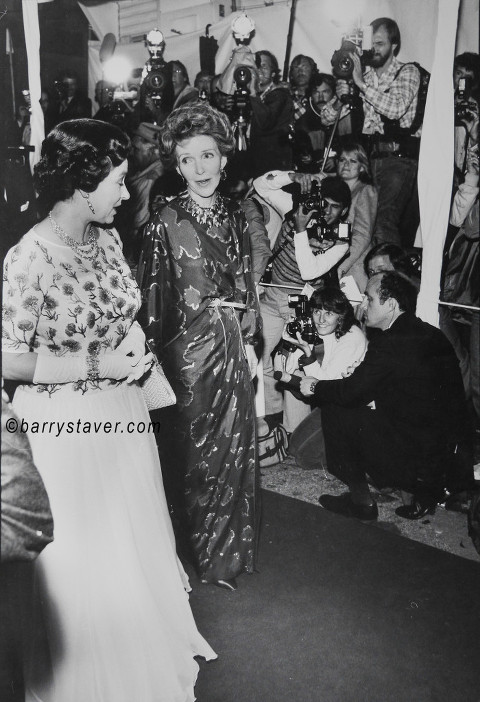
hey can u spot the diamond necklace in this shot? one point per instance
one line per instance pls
(210, 216)
(81, 249)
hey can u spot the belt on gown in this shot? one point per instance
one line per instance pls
(215, 304)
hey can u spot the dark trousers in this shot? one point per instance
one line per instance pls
(360, 442)
(395, 179)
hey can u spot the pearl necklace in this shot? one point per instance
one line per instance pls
(81, 249)
(210, 216)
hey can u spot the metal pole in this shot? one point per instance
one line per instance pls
(289, 40)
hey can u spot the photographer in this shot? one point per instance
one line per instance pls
(71, 102)
(271, 119)
(344, 346)
(311, 134)
(389, 91)
(400, 416)
(466, 77)
(296, 258)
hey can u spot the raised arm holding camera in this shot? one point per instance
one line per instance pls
(389, 91)
(298, 258)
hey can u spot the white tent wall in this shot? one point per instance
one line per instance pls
(433, 31)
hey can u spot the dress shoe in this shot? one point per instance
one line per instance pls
(230, 584)
(227, 584)
(415, 511)
(342, 504)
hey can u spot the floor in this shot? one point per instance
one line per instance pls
(444, 530)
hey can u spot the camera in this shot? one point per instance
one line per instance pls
(242, 77)
(342, 63)
(303, 323)
(156, 82)
(339, 232)
(464, 109)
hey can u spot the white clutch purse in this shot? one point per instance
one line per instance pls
(156, 389)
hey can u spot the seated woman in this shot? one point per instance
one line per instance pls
(344, 346)
(353, 167)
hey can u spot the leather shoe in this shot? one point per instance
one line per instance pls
(342, 504)
(415, 510)
(227, 584)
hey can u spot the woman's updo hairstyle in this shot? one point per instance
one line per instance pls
(333, 299)
(195, 119)
(77, 155)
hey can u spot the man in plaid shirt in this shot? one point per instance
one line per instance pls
(389, 93)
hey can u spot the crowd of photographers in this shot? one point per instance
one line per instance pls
(325, 170)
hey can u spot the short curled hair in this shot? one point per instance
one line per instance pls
(195, 119)
(77, 155)
(332, 299)
(396, 285)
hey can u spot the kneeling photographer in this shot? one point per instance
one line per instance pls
(306, 250)
(343, 348)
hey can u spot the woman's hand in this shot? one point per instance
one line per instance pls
(141, 367)
(119, 366)
(350, 369)
(298, 341)
(133, 344)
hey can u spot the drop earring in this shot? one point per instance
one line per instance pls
(85, 197)
(223, 175)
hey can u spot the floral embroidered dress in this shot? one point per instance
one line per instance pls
(111, 591)
(188, 268)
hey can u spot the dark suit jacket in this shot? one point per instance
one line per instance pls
(412, 375)
(79, 106)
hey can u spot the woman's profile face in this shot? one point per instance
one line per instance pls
(200, 162)
(349, 167)
(325, 321)
(110, 194)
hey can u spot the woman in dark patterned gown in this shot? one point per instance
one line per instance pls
(201, 313)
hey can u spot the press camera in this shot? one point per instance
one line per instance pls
(303, 323)
(318, 228)
(156, 83)
(359, 41)
(465, 108)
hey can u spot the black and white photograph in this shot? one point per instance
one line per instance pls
(240, 444)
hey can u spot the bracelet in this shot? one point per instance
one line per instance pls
(313, 386)
(92, 367)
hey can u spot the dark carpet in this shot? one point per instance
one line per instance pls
(341, 612)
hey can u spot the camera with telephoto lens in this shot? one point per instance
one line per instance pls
(303, 323)
(342, 62)
(241, 106)
(156, 80)
(464, 110)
